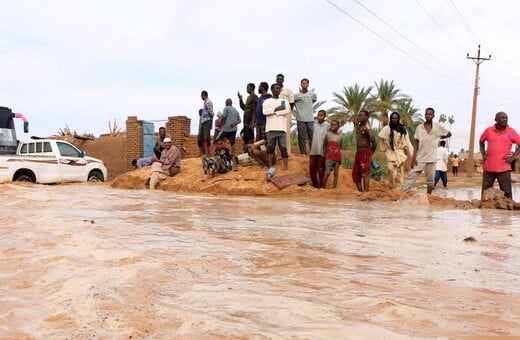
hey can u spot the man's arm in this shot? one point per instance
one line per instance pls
(373, 143)
(483, 152)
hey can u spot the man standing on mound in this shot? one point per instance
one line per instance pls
(427, 137)
(287, 94)
(277, 111)
(168, 165)
(206, 123)
(365, 146)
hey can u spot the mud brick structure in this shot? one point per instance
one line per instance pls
(178, 127)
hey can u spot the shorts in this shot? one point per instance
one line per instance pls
(330, 164)
(362, 165)
(230, 135)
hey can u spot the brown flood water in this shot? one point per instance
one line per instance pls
(87, 261)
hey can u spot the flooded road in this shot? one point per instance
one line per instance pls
(87, 261)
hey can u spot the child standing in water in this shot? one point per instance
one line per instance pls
(332, 152)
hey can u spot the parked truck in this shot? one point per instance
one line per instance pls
(43, 160)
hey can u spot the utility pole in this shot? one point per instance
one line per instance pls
(478, 60)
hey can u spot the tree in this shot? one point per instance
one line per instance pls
(410, 116)
(451, 120)
(351, 100)
(386, 100)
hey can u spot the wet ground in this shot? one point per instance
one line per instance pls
(87, 261)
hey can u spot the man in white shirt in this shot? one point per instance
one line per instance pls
(441, 167)
(277, 111)
(427, 137)
(287, 94)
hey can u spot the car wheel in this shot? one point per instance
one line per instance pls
(95, 176)
(24, 178)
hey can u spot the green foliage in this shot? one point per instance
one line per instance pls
(351, 100)
(347, 163)
(349, 141)
(386, 100)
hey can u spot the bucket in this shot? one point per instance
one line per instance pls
(243, 158)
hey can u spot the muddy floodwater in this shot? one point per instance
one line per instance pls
(86, 261)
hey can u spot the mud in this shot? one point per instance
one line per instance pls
(89, 261)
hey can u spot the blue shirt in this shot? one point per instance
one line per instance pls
(259, 112)
(230, 114)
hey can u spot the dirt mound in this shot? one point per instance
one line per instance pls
(250, 180)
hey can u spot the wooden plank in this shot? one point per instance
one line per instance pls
(286, 180)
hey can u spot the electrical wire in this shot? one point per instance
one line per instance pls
(393, 45)
(464, 22)
(441, 27)
(405, 37)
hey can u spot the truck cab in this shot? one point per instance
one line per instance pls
(8, 141)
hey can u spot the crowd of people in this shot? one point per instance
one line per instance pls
(266, 126)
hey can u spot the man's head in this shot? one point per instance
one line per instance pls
(394, 118)
(304, 84)
(162, 132)
(250, 88)
(275, 90)
(220, 143)
(229, 102)
(280, 79)
(334, 125)
(167, 143)
(204, 95)
(501, 119)
(429, 113)
(263, 87)
(362, 116)
(134, 163)
(321, 116)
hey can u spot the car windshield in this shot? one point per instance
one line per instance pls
(67, 150)
(7, 136)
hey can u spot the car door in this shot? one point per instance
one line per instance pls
(73, 166)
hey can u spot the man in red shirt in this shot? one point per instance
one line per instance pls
(497, 158)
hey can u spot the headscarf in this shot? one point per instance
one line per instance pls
(396, 127)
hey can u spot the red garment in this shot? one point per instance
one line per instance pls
(333, 151)
(317, 170)
(362, 164)
(498, 148)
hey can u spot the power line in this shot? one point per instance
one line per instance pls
(464, 22)
(477, 40)
(440, 26)
(406, 38)
(392, 44)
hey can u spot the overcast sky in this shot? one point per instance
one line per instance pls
(85, 63)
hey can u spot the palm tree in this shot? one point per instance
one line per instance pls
(386, 99)
(351, 100)
(410, 116)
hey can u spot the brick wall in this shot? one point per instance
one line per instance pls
(178, 127)
(134, 140)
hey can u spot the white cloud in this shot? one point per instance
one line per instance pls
(85, 63)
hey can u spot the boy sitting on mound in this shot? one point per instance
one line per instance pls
(221, 163)
(258, 152)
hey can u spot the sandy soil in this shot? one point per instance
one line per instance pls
(250, 180)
